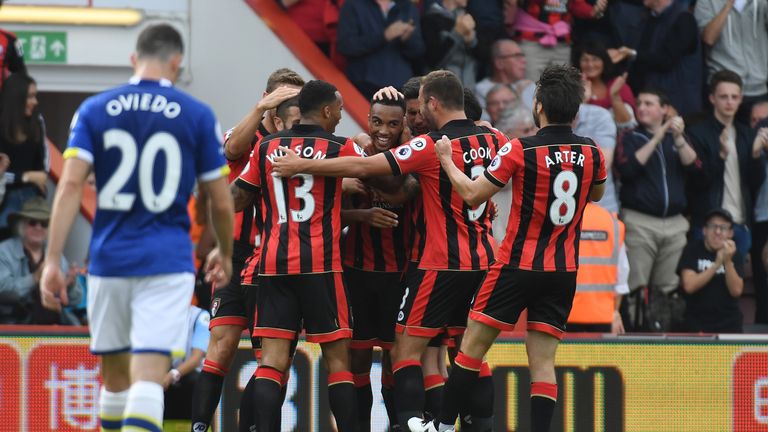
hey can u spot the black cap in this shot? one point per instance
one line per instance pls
(723, 213)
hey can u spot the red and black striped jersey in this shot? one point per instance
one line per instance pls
(547, 12)
(377, 249)
(552, 174)
(458, 237)
(302, 214)
(418, 229)
(247, 226)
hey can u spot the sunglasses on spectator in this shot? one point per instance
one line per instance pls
(32, 222)
(719, 227)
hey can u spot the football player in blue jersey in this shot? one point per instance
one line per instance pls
(148, 143)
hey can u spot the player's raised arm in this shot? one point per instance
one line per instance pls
(290, 164)
(473, 192)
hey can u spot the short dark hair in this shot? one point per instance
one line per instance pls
(444, 86)
(159, 41)
(598, 49)
(282, 109)
(663, 98)
(399, 102)
(314, 95)
(727, 76)
(472, 108)
(411, 88)
(283, 76)
(560, 92)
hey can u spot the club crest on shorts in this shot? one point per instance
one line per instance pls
(215, 306)
(403, 152)
(418, 144)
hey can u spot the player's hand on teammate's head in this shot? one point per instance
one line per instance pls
(278, 96)
(287, 164)
(218, 268)
(53, 287)
(443, 149)
(381, 218)
(388, 92)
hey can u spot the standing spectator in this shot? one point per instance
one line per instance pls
(595, 122)
(451, 39)
(735, 33)
(489, 17)
(732, 162)
(21, 264)
(11, 55)
(380, 38)
(499, 98)
(596, 27)
(711, 274)
(508, 63)
(760, 227)
(22, 138)
(651, 160)
(601, 280)
(605, 88)
(668, 56)
(308, 14)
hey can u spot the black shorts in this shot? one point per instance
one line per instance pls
(548, 296)
(320, 299)
(435, 300)
(229, 303)
(375, 299)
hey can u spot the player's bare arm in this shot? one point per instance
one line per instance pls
(69, 194)
(375, 216)
(290, 164)
(239, 142)
(242, 197)
(219, 265)
(473, 192)
(597, 191)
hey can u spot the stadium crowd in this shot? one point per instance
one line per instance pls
(675, 96)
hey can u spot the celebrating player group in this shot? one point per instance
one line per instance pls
(379, 240)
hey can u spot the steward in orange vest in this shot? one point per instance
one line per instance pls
(603, 271)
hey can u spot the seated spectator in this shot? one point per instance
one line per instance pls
(711, 275)
(601, 280)
(451, 40)
(508, 64)
(668, 56)
(22, 138)
(651, 161)
(179, 382)
(606, 89)
(732, 162)
(380, 39)
(21, 265)
(498, 99)
(595, 122)
(735, 33)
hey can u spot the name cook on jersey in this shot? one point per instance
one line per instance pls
(156, 103)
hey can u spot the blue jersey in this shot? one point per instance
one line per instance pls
(148, 142)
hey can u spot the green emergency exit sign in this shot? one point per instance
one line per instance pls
(43, 46)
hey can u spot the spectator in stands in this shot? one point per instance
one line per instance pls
(380, 38)
(179, 382)
(22, 138)
(5, 162)
(21, 264)
(413, 117)
(605, 88)
(651, 161)
(732, 161)
(711, 275)
(498, 99)
(451, 40)
(596, 122)
(735, 33)
(309, 15)
(759, 119)
(542, 28)
(668, 56)
(595, 28)
(601, 280)
(508, 62)
(11, 55)
(489, 20)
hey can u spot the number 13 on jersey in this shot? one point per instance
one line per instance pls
(302, 192)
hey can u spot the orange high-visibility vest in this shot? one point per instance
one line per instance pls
(602, 235)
